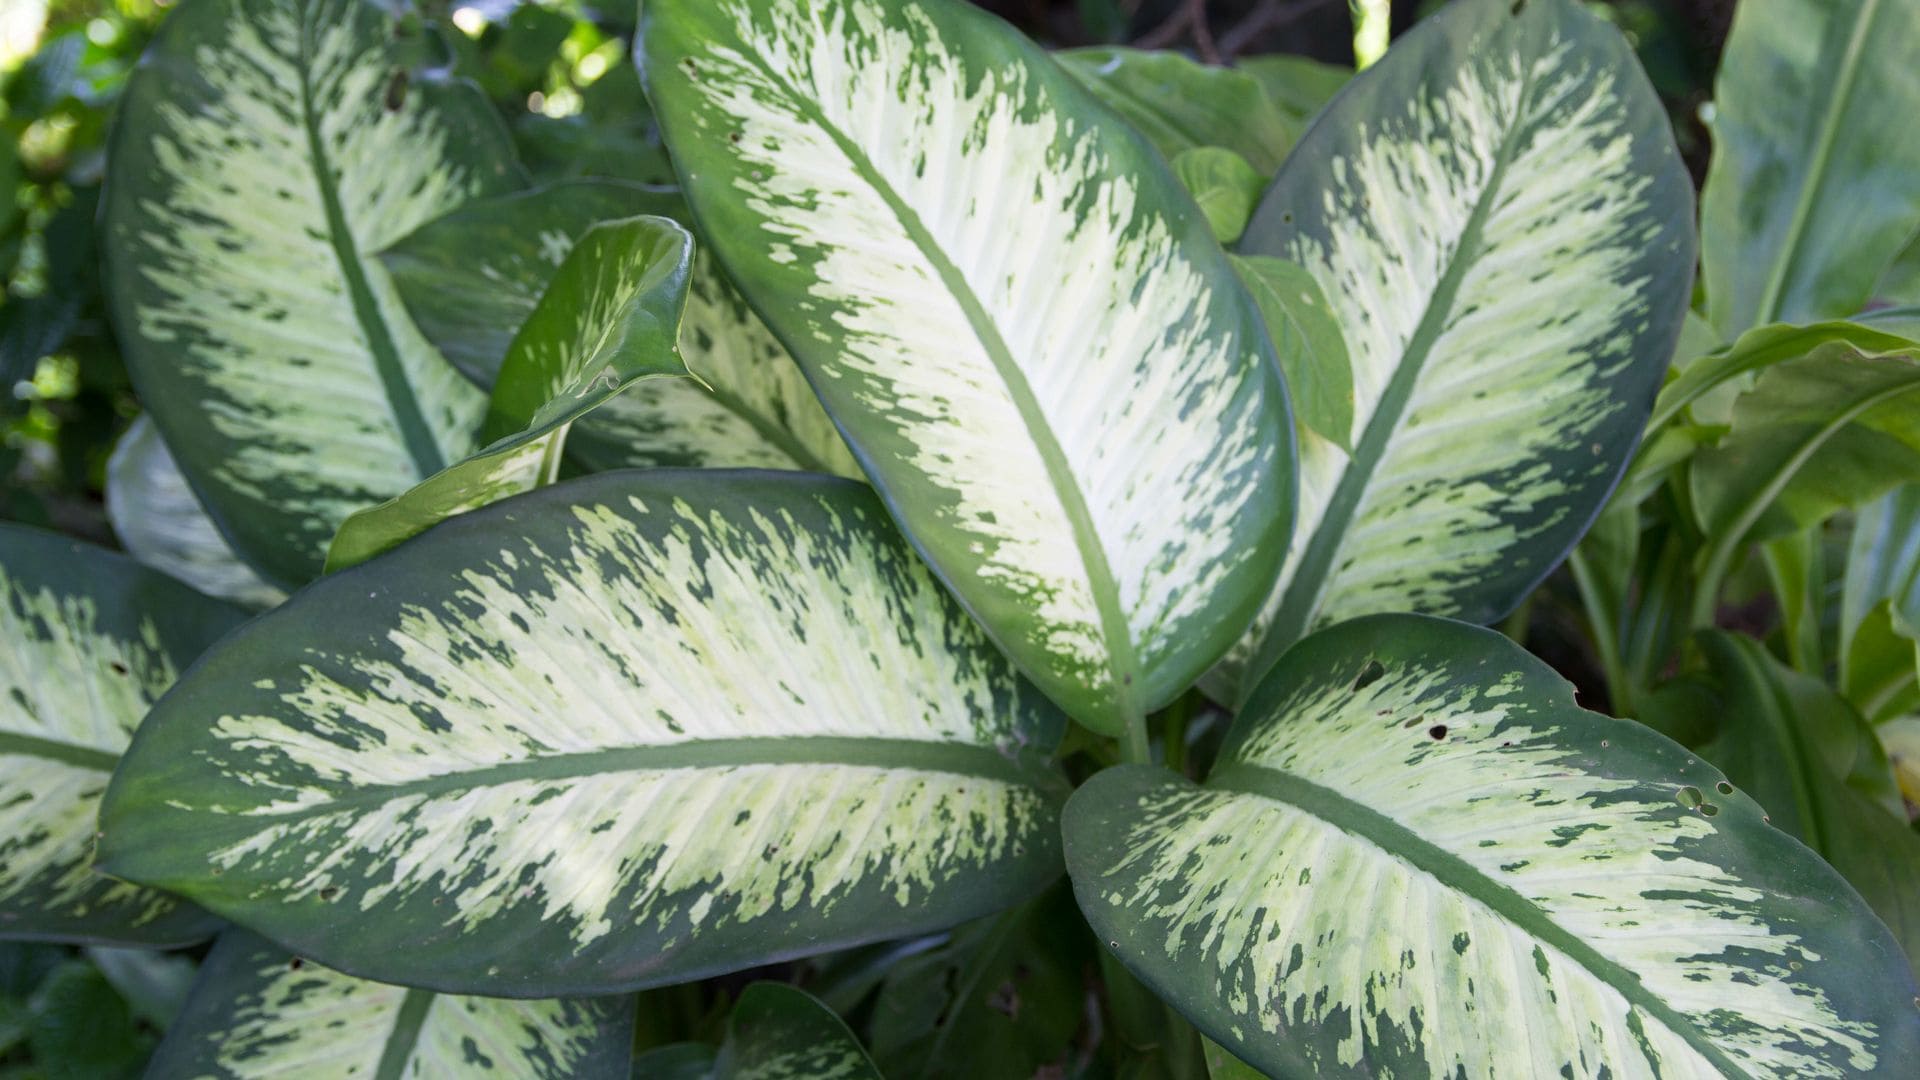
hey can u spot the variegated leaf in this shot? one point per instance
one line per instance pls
(160, 522)
(1417, 856)
(257, 1012)
(609, 319)
(1498, 216)
(473, 277)
(264, 150)
(1015, 315)
(624, 731)
(1809, 196)
(779, 1033)
(88, 640)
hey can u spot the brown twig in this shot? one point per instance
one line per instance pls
(1167, 32)
(1202, 32)
(1269, 15)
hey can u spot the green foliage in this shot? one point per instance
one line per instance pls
(705, 542)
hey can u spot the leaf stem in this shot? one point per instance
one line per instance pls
(1134, 748)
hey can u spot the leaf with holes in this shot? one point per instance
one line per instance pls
(257, 1012)
(91, 639)
(1498, 216)
(160, 522)
(779, 1033)
(472, 277)
(1416, 855)
(609, 319)
(625, 731)
(1809, 196)
(265, 149)
(1083, 432)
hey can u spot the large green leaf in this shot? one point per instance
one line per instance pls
(1498, 216)
(627, 730)
(472, 277)
(779, 1033)
(609, 318)
(160, 521)
(264, 150)
(88, 640)
(1880, 607)
(1416, 855)
(257, 1012)
(1181, 105)
(1811, 193)
(1794, 744)
(1016, 316)
(1813, 436)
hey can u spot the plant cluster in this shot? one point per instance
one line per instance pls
(878, 549)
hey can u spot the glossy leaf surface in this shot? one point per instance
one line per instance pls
(1498, 217)
(625, 731)
(265, 149)
(1417, 855)
(1083, 432)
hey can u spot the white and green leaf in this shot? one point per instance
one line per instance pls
(1417, 856)
(257, 1012)
(1083, 431)
(610, 317)
(1499, 218)
(472, 278)
(1810, 195)
(91, 640)
(160, 521)
(264, 150)
(628, 730)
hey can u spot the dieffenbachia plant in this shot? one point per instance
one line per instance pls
(526, 751)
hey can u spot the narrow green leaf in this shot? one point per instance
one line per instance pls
(1815, 763)
(1313, 353)
(472, 278)
(1223, 185)
(1015, 315)
(1181, 105)
(678, 1061)
(1830, 430)
(160, 522)
(1901, 283)
(1416, 855)
(258, 1012)
(1759, 349)
(1810, 195)
(625, 731)
(1498, 216)
(780, 1033)
(264, 150)
(1880, 607)
(609, 318)
(91, 640)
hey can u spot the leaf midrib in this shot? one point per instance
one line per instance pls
(404, 404)
(1306, 588)
(1458, 875)
(85, 757)
(1124, 664)
(405, 1035)
(1768, 309)
(963, 759)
